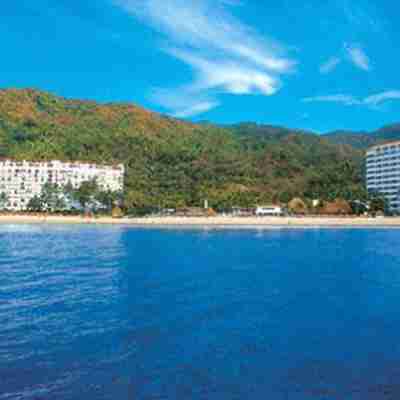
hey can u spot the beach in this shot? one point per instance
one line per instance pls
(216, 221)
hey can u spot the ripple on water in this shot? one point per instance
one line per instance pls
(117, 313)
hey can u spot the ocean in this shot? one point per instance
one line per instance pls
(115, 312)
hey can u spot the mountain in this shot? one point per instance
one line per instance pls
(363, 140)
(389, 132)
(265, 132)
(170, 162)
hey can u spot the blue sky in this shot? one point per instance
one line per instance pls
(312, 64)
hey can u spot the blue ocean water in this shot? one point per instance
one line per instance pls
(119, 313)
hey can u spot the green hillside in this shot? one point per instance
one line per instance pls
(174, 163)
(363, 140)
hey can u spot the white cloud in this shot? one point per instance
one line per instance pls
(228, 76)
(358, 56)
(183, 104)
(224, 54)
(353, 53)
(329, 65)
(379, 98)
(196, 109)
(349, 100)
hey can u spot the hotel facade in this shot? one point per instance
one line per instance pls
(383, 172)
(22, 180)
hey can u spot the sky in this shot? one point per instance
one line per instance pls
(307, 64)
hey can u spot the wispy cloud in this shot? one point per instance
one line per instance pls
(358, 56)
(351, 52)
(329, 65)
(225, 55)
(228, 75)
(345, 99)
(183, 103)
(379, 98)
(372, 101)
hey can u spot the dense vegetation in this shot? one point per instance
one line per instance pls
(172, 163)
(363, 140)
(88, 198)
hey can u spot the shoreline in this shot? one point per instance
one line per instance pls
(216, 222)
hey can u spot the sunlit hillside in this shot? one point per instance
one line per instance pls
(171, 162)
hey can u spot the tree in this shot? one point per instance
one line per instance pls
(59, 203)
(52, 197)
(285, 197)
(3, 201)
(136, 202)
(86, 193)
(35, 204)
(378, 203)
(68, 189)
(107, 199)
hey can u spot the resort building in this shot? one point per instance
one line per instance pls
(22, 180)
(383, 172)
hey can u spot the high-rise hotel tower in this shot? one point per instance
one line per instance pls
(383, 172)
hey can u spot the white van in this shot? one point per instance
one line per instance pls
(273, 211)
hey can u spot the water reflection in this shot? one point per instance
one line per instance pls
(115, 312)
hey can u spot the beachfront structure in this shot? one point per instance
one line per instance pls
(22, 180)
(383, 172)
(269, 211)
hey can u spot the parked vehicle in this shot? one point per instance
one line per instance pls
(269, 211)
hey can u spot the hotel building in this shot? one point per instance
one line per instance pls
(383, 172)
(22, 180)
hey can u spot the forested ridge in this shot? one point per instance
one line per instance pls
(173, 163)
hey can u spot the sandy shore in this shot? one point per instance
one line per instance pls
(219, 221)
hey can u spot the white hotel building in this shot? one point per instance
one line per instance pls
(383, 172)
(22, 180)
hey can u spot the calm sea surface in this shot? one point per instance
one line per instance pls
(120, 313)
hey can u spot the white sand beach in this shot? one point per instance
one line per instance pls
(217, 221)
